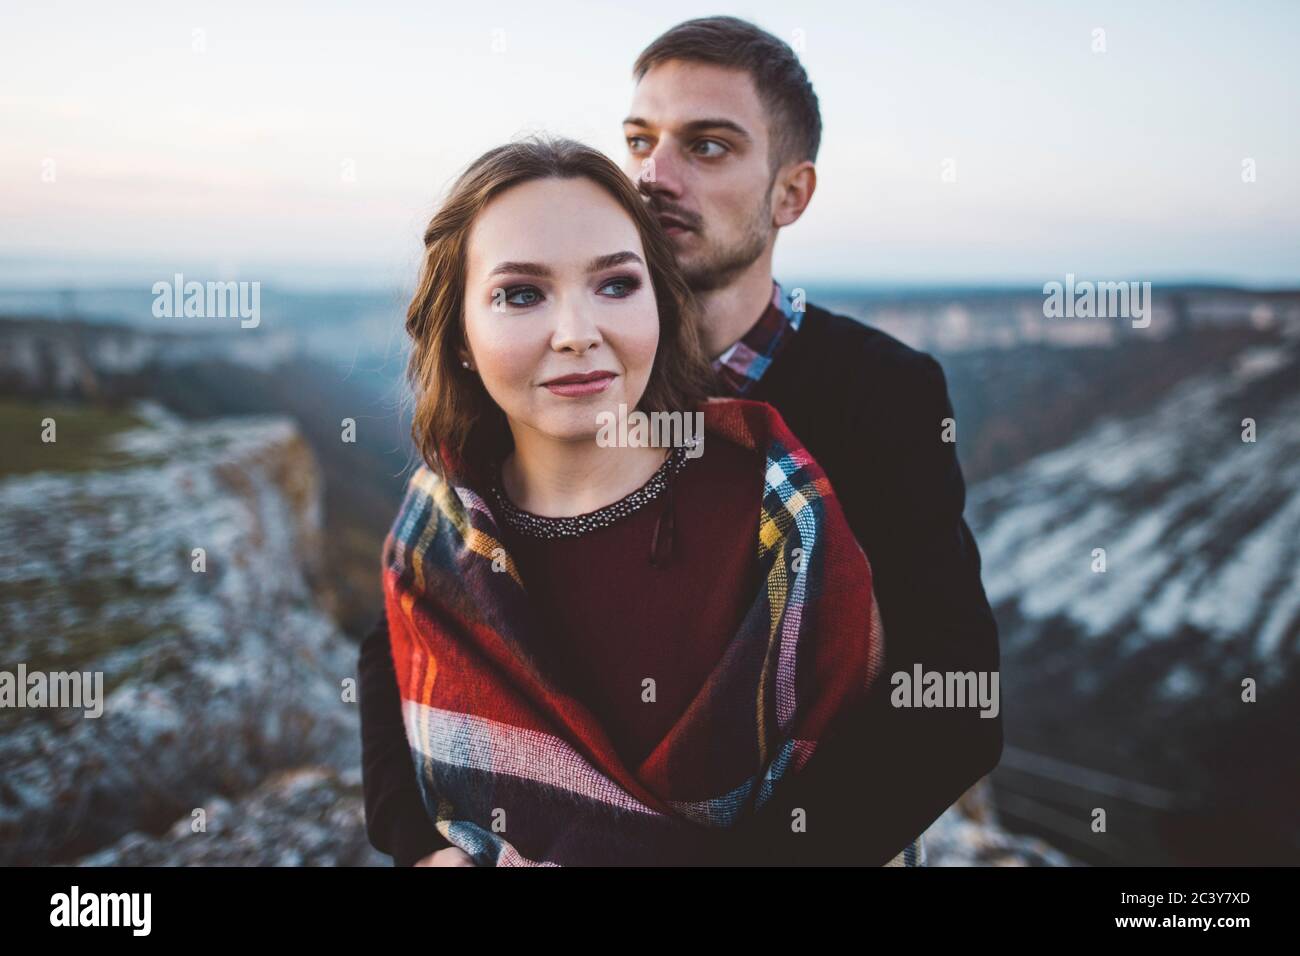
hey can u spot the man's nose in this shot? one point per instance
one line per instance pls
(660, 173)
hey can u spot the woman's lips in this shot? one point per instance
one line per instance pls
(574, 386)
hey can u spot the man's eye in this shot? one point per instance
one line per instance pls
(713, 147)
(520, 295)
(622, 287)
(636, 143)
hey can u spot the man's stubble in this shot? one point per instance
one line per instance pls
(715, 267)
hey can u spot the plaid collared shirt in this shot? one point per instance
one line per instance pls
(745, 361)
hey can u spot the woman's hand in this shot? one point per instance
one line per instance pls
(448, 856)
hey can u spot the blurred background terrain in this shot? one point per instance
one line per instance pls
(1121, 689)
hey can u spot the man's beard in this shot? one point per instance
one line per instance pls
(715, 268)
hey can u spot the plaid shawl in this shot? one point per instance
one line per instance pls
(515, 772)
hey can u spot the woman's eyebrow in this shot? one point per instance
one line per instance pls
(521, 268)
(544, 272)
(613, 259)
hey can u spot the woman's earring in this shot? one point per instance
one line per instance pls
(464, 363)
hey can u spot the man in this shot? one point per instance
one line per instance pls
(722, 138)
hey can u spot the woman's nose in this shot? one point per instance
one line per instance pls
(575, 329)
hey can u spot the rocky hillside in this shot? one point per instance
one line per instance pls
(307, 816)
(971, 833)
(214, 679)
(1137, 670)
(215, 375)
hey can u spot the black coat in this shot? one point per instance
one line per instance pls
(870, 410)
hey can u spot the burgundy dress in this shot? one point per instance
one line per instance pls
(614, 618)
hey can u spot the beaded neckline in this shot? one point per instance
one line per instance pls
(571, 526)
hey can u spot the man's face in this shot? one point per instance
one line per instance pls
(698, 147)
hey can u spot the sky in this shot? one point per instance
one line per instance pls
(308, 143)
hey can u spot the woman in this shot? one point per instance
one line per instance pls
(606, 653)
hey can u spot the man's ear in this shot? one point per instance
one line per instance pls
(794, 189)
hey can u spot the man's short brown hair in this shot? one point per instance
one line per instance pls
(794, 118)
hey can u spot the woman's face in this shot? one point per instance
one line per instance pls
(560, 313)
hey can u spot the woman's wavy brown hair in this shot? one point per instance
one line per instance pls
(459, 430)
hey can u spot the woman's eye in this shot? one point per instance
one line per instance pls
(520, 295)
(621, 287)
